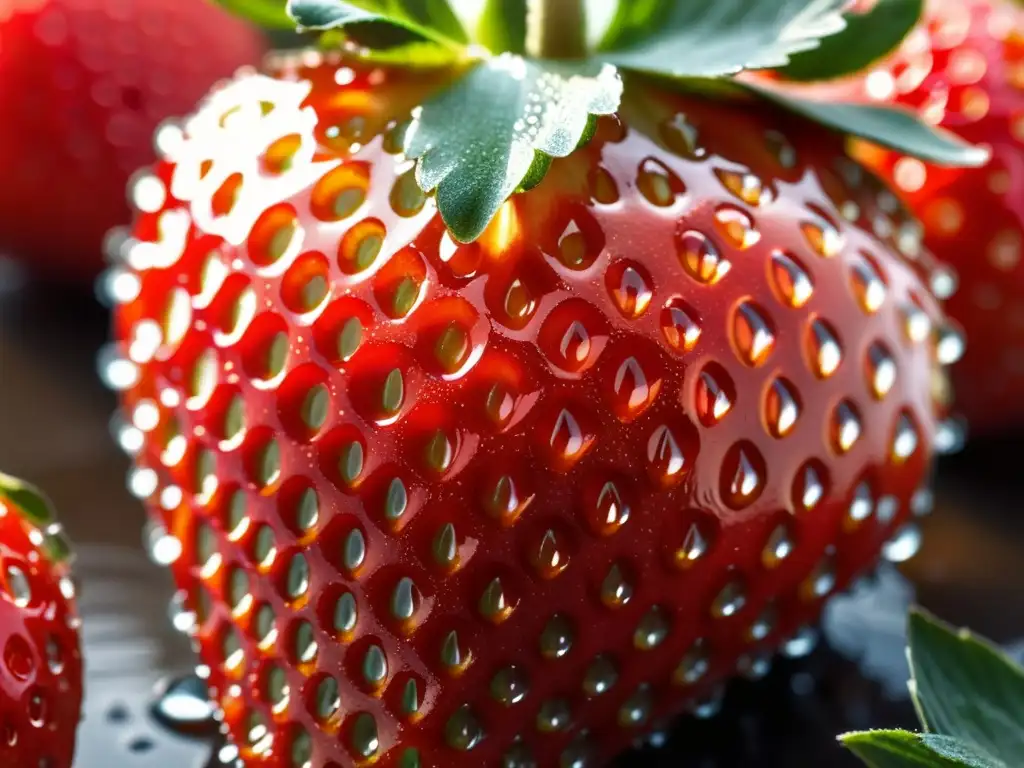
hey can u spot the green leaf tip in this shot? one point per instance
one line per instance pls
(713, 39)
(518, 108)
(903, 749)
(27, 500)
(868, 37)
(890, 127)
(967, 688)
(431, 20)
(270, 14)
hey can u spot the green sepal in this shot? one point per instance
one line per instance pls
(902, 749)
(868, 37)
(28, 500)
(270, 14)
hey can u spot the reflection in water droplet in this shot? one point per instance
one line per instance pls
(792, 281)
(782, 408)
(680, 324)
(752, 333)
(736, 226)
(701, 259)
(183, 705)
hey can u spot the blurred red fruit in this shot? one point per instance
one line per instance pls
(83, 85)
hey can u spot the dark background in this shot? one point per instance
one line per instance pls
(54, 431)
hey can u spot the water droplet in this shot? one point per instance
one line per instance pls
(821, 581)
(354, 550)
(636, 709)
(791, 280)
(729, 601)
(629, 285)
(652, 630)
(715, 394)
(495, 605)
(549, 558)
(183, 705)
(779, 146)
(463, 731)
(600, 676)
(880, 370)
(556, 637)
(404, 599)
(778, 547)
(823, 349)
(633, 393)
(745, 186)
(949, 345)
(862, 504)
(375, 666)
(18, 586)
(345, 613)
(700, 258)
(363, 735)
(916, 324)
(657, 183)
(665, 456)
(801, 644)
(553, 715)
(327, 698)
(680, 325)
(823, 235)
(736, 226)
(568, 441)
(846, 427)
(695, 545)
(616, 590)
(744, 474)
(610, 511)
(782, 408)
(905, 439)
(693, 666)
(809, 486)
(519, 304)
(509, 685)
(904, 545)
(752, 334)
(682, 137)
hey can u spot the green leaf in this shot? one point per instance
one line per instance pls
(477, 140)
(426, 19)
(267, 13)
(27, 500)
(502, 26)
(891, 127)
(967, 688)
(902, 749)
(700, 38)
(867, 38)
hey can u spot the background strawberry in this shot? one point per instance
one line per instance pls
(83, 85)
(531, 495)
(41, 670)
(963, 68)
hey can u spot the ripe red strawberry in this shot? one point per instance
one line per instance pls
(530, 496)
(963, 68)
(40, 663)
(83, 85)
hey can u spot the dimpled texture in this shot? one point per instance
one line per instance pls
(83, 85)
(40, 661)
(964, 69)
(514, 502)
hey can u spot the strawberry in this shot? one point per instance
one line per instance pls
(83, 85)
(963, 68)
(41, 670)
(511, 496)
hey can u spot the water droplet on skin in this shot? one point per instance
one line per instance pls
(743, 475)
(657, 183)
(680, 325)
(916, 324)
(630, 288)
(729, 601)
(905, 439)
(782, 408)
(701, 259)
(792, 282)
(745, 186)
(652, 630)
(463, 731)
(509, 685)
(695, 545)
(809, 486)
(824, 350)
(736, 226)
(846, 427)
(862, 505)
(778, 547)
(693, 666)
(753, 334)
(600, 676)
(823, 235)
(556, 638)
(904, 545)
(880, 370)
(636, 709)
(714, 395)
(682, 137)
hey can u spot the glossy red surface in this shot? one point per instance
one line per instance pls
(621, 447)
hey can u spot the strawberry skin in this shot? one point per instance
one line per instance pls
(41, 669)
(964, 69)
(515, 502)
(83, 85)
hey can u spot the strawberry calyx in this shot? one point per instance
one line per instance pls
(36, 511)
(534, 74)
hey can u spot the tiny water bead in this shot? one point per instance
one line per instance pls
(752, 334)
(791, 280)
(701, 258)
(736, 227)
(782, 407)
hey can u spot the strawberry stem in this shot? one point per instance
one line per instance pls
(556, 29)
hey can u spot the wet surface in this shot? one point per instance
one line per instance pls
(55, 426)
